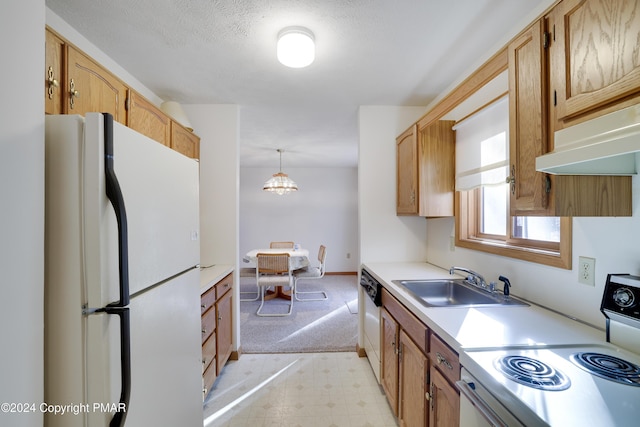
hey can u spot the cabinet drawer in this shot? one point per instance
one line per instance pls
(209, 378)
(224, 285)
(208, 323)
(208, 351)
(407, 321)
(444, 358)
(207, 300)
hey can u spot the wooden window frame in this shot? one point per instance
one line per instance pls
(467, 224)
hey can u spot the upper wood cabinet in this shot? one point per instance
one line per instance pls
(184, 141)
(407, 172)
(91, 88)
(148, 119)
(425, 170)
(53, 73)
(76, 84)
(594, 52)
(531, 126)
(527, 122)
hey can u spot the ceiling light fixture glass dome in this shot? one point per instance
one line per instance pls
(296, 47)
(280, 183)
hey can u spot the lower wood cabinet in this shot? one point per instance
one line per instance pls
(444, 407)
(418, 369)
(413, 380)
(404, 362)
(216, 311)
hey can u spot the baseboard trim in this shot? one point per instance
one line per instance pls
(341, 273)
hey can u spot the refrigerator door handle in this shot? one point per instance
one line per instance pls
(114, 194)
(125, 364)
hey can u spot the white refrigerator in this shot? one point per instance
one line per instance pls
(122, 289)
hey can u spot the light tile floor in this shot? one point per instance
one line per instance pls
(301, 389)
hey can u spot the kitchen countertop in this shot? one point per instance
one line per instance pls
(465, 328)
(209, 276)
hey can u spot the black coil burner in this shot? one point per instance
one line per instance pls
(608, 367)
(532, 373)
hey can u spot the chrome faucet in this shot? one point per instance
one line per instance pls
(472, 277)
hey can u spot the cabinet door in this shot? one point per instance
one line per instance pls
(445, 402)
(224, 330)
(148, 119)
(91, 88)
(413, 381)
(389, 346)
(407, 172)
(184, 142)
(436, 169)
(54, 50)
(595, 54)
(527, 122)
(531, 129)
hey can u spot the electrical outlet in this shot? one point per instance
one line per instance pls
(586, 270)
(452, 243)
(348, 255)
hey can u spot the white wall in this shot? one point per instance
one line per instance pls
(323, 211)
(22, 208)
(217, 127)
(613, 242)
(384, 236)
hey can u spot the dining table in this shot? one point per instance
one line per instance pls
(298, 258)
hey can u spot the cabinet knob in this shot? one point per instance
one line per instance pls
(511, 180)
(73, 93)
(204, 331)
(203, 306)
(53, 83)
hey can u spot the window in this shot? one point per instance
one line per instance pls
(483, 221)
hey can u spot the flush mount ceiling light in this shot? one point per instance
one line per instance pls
(296, 48)
(280, 183)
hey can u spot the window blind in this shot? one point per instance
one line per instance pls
(482, 147)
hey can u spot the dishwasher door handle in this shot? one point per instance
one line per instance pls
(487, 413)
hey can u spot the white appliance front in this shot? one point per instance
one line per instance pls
(372, 333)
(585, 400)
(161, 197)
(166, 374)
(82, 352)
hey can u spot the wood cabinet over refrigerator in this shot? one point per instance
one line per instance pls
(74, 83)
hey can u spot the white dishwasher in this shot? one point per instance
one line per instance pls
(371, 292)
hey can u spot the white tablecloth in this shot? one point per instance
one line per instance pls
(299, 258)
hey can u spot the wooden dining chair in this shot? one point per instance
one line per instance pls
(281, 245)
(311, 273)
(273, 270)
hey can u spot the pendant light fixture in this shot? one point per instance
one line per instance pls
(296, 47)
(280, 183)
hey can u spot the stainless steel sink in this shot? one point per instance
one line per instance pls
(453, 293)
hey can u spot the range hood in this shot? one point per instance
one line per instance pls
(607, 145)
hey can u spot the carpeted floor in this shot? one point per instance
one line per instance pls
(313, 326)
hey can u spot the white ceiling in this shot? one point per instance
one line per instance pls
(368, 52)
